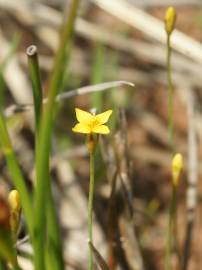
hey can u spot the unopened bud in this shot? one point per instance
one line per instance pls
(177, 165)
(15, 207)
(14, 201)
(170, 19)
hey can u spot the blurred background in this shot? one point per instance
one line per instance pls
(114, 40)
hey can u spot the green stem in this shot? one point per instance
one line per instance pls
(170, 228)
(33, 65)
(171, 93)
(14, 225)
(55, 254)
(37, 97)
(90, 207)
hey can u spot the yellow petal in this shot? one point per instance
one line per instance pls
(103, 117)
(101, 129)
(83, 116)
(81, 128)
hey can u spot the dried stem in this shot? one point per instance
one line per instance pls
(192, 182)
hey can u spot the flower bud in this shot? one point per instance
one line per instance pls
(177, 165)
(15, 207)
(14, 200)
(170, 18)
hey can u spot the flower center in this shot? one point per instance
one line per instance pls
(95, 123)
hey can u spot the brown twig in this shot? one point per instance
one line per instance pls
(125, 220)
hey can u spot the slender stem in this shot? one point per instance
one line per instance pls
(14, 225)
(55, 255)
(171, 93)
(37, 97)
(33, 65)
(170, 228)
(90, 207)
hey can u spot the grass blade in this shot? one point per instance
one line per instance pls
(15, 172)
(97, 76)
(33, 65)
(13, 47)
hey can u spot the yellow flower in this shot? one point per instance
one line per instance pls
(177, 166)
(89, 123)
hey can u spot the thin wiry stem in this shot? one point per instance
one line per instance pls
(171, 93)
(170, 228)
(90, 207)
